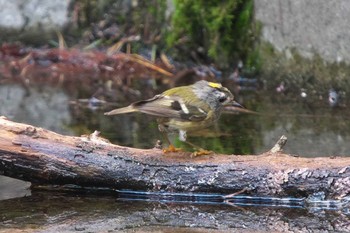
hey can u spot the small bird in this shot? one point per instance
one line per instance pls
(184, 109)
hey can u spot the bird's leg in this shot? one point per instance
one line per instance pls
(198, 150)
(171, 147)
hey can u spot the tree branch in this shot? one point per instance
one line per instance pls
(43, 157)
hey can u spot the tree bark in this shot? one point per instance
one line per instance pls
(43, 157)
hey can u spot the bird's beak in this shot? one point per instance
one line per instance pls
(237, 105)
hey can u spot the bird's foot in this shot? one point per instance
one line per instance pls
(171, 148)
(201, 152)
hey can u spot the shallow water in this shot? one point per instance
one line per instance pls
(312, 126)
(90, 213)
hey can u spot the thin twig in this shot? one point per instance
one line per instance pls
(279, 144)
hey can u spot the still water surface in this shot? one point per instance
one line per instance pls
(312, 125)
(54, 212)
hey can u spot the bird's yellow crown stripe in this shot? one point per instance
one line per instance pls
(215, 85)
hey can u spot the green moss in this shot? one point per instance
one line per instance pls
(222, 31)
(208, 31)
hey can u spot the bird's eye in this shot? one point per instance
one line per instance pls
(222, 98)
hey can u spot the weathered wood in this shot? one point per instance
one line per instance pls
(44, 157)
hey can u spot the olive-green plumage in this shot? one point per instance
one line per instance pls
(185, 108)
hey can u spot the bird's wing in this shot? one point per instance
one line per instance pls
(170, 107)
(116, 111)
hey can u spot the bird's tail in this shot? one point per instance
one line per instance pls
(121, 110)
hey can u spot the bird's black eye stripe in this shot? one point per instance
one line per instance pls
(176, 105)
(222, 98)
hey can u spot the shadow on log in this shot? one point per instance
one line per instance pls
(46, 158)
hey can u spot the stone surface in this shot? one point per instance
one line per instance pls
(46, 107)
(312, 27)
(39, 14)
(12, 188)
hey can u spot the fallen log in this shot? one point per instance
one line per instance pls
(43, 157)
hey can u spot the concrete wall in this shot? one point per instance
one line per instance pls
(310, 26)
